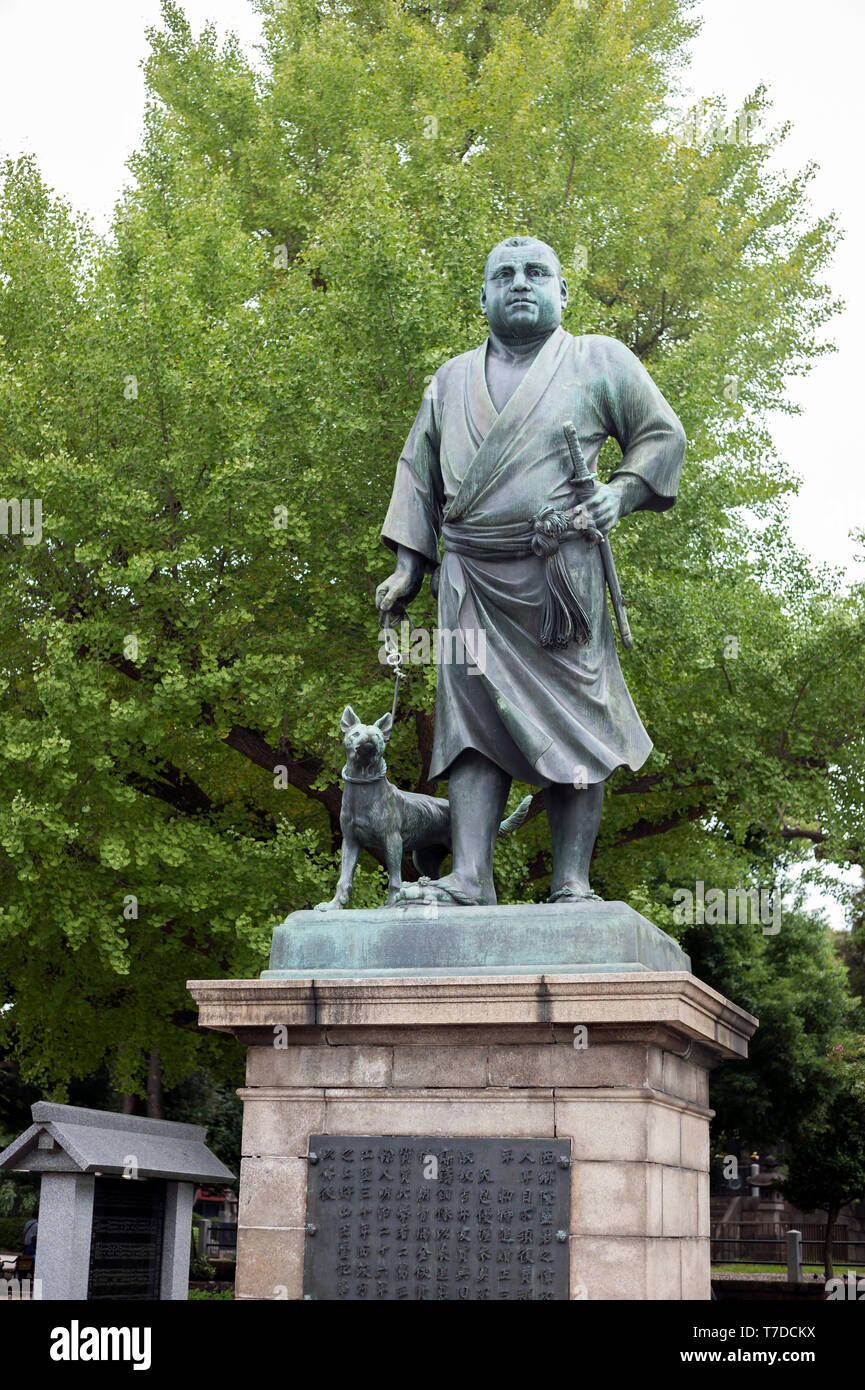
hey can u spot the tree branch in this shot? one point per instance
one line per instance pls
(177, 790)
(643, 828)
(301, 772)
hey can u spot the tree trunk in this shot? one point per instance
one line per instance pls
(127, 1103)
(155, 1103)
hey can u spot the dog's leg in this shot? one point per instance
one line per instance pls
(393, 861)
(350, 853)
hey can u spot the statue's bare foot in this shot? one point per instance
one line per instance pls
(454, 888)
(575, 891)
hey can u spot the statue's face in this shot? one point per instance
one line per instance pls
(523, 293)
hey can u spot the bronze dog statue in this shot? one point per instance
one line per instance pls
(377, 815)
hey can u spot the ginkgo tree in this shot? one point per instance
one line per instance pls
(209, 401)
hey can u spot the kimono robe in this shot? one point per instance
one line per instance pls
(475, 478)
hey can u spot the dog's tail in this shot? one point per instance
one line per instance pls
(514, 821)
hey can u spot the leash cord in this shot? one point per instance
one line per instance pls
(394, 658)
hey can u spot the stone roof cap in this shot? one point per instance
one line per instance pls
(71, 1139)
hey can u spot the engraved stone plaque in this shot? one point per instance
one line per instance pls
(126, 1241)
(401, 1217)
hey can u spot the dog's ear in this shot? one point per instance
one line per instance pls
(349, 719)
(384, 725)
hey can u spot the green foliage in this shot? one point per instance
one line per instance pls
(796, 986)
(19, 1192)
(210, 403)
(19, 1196)
(850, 947)
(200, 1267)
(827, 1168)
(12, 1233)
(202, 1100)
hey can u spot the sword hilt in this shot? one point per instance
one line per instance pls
(582, 479)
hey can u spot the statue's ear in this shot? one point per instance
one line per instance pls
(384, 725)
(349, 719)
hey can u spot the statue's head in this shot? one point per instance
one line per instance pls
(524, 291)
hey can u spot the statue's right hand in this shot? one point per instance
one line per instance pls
(398, 589)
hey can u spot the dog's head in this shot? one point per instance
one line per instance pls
(364, 743)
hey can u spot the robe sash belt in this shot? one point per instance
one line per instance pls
(563, 616)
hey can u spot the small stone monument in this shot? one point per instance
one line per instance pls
(115, 1209)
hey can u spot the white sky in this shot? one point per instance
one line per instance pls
(72, 93)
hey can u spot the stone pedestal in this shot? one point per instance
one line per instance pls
(535, 939)
(491, 1055)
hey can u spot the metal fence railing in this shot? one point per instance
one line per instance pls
(729, 1248)
(222, 1238)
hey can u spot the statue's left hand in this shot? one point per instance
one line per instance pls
(397, 592)
(604, 507)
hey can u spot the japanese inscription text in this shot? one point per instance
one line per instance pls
(402, 1217)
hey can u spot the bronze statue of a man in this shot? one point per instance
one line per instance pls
(486, 469)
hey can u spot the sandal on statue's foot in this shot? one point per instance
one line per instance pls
(428, 890)
(574, 895)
